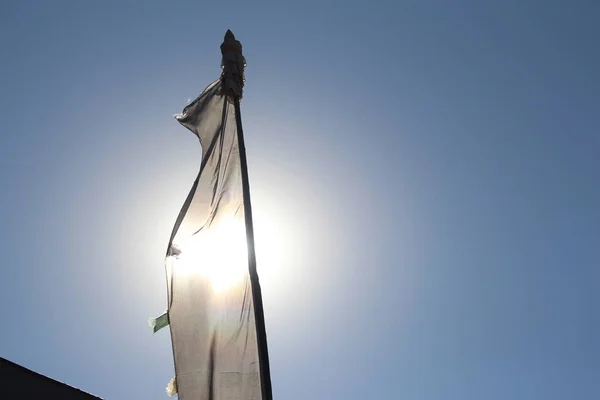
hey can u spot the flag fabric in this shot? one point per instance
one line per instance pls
(210, 302)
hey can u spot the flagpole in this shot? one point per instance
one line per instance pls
(233, 81)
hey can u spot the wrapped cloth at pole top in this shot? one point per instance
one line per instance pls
(232, 64)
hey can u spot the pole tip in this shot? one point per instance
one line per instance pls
(229, 35)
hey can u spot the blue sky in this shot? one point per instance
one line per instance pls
(424, 178)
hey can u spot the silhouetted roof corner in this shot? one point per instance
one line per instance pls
(10, 370)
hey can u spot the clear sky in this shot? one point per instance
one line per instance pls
(425, 179)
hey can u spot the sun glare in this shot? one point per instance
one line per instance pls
(219, 254)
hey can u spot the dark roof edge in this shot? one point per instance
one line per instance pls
(37, 374)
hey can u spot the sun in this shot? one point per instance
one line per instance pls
(220, 254)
